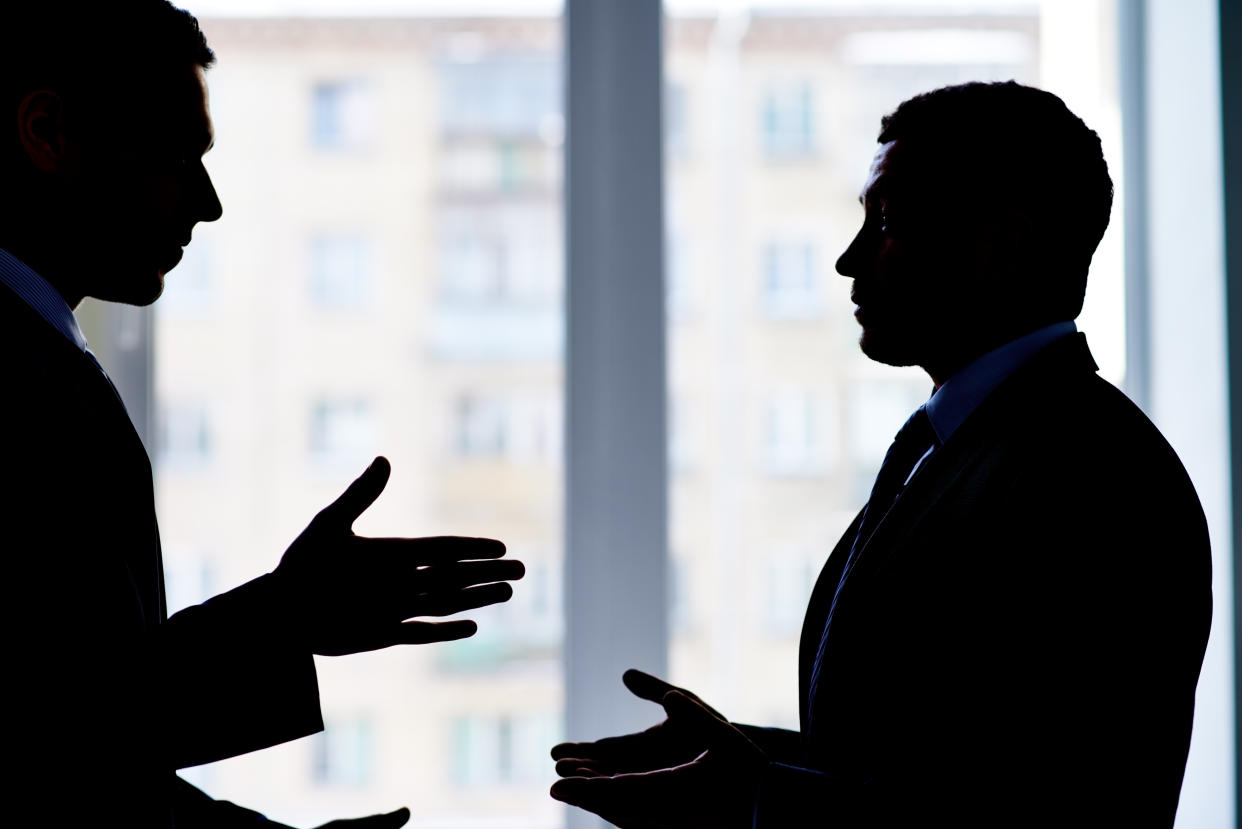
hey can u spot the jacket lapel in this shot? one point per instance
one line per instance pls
(817, 611)
(950, 471)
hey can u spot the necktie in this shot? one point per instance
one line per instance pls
(912, 442)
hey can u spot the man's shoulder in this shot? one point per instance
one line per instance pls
(44, 378)
(32, 351)
(1060, 403)
(1067, 432)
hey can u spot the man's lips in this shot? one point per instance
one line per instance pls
(859, 305)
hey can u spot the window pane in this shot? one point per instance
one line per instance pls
(778, 423)
(386, 279)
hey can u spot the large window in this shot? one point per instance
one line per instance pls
(387, 277)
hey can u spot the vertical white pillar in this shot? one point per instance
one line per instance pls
(615, 503)
(1187, 375)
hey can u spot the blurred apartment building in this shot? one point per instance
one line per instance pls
(388, 278)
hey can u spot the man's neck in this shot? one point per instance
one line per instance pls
(956, 355)
(40, 257)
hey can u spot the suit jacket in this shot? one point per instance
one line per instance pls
(1019, 641)
(111, 696)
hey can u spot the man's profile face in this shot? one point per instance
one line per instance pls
(141, 186)
(899, 267)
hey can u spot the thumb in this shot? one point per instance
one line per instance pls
(358, 496)
(645, 686)
(652, 688)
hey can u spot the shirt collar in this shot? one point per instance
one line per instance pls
(962, 393)
(39, 294)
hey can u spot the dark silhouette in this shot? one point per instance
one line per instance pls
(101, 161)
(1011, 631)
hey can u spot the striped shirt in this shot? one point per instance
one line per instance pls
(39, 294)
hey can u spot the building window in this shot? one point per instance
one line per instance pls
(343, 753)
(473, 268)
(500, 749)
(342, 431)
(794, 437)
(512, 95)
(342, 115)
(183, 435)
(788, 120)
(791, 284)
(340, 271)
(532, 428)
(480, 427)
(500, 256)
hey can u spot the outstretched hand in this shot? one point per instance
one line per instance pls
(662, 746)
(716, 788)
(346, 593)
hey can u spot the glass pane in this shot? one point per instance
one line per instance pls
(778, 423)
(386, 279)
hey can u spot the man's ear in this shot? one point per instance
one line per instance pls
(1007, 243)
(1013, 230)
(41, 130)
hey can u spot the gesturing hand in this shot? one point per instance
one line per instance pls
(347, 594)
(715, 789)
(662, 746)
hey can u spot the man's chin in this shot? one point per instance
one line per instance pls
(889, 350)
(135, 291)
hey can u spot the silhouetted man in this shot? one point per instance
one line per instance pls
(106, 122)
(1010, 632)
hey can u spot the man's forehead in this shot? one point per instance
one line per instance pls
(879, 177)
(184, 106)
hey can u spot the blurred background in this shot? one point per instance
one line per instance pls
(388, 277)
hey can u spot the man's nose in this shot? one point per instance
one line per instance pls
(210, 208)
(847, 262)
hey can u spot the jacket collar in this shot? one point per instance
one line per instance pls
(970, 444)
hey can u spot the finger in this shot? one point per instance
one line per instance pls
(357, 496)
(457, 601)
(580, 767)
(423, 633)
(468, 573)
(436, 549)
(597, 749)
(614, 794)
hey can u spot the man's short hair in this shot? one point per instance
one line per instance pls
(1005, 145)
(88, 46)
